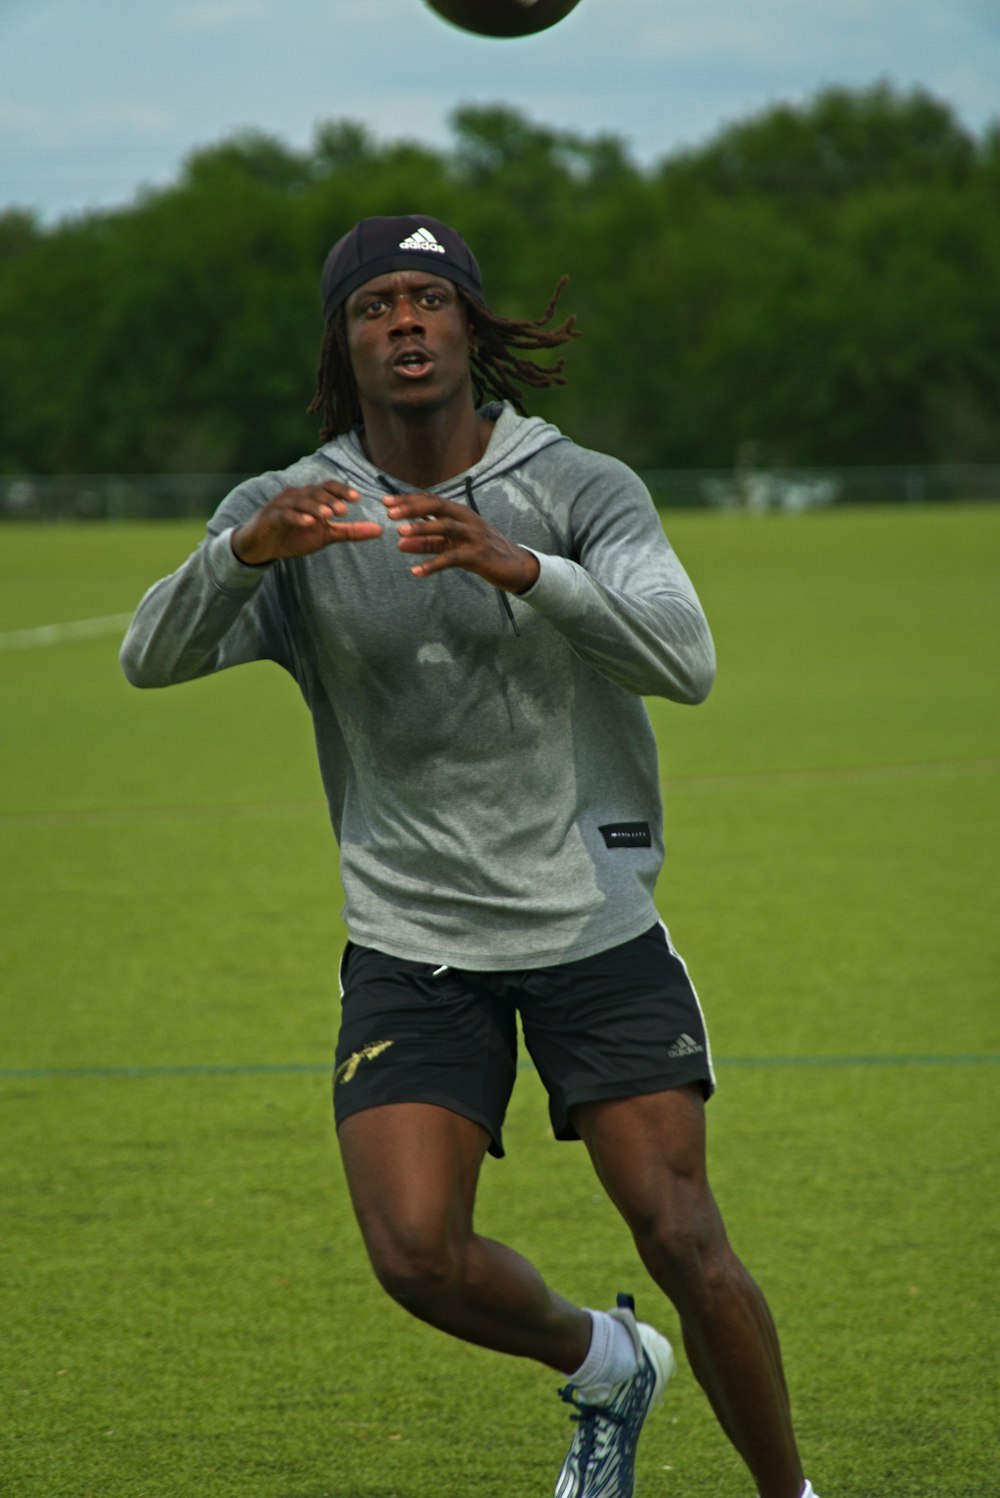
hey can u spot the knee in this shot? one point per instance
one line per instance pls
(414, 1269)
(687, 1254)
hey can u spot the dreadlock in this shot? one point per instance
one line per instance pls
(498, 370)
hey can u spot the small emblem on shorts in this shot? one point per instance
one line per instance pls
(349, 1069)
(685, 1046)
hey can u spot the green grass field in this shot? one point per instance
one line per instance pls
(186, 1308)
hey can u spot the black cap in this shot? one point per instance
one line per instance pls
(409, 241)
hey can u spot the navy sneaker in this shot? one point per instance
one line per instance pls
(601, 1459)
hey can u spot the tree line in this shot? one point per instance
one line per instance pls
(816, 285)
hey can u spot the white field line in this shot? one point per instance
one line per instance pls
(58, 634)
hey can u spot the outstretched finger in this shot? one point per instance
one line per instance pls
(352, 530)
(441, 549)
(321, 506)
(434, 534)
(334, 498)
(418, 507)
(435, 564)
(424, 541)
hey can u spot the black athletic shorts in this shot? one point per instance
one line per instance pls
(619, 1024)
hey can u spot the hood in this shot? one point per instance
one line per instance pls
(515, 440)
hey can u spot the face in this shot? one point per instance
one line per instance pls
(409, 340)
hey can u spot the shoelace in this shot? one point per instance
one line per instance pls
(587, 1416)
(584, 1410)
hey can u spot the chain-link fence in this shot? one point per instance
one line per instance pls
(160, 496)
(796, 489)
(113, 496)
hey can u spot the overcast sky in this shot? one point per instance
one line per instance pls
(99, 98)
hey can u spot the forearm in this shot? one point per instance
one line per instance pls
(658, 644)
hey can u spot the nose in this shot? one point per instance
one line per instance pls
(405, 318)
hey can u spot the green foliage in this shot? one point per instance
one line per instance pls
(817, 283)
(847, 142)
(186, 1303)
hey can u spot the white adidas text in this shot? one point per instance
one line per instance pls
(423, 239)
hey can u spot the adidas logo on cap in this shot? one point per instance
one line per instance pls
(423, 239)
(382, 244)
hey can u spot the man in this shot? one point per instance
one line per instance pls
(473, 606)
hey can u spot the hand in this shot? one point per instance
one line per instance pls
(457, 536)
(297, 522)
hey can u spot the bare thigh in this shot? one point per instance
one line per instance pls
(649, 1153)
(412, 1170)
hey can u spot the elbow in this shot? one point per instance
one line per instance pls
(695, 689)
(131, 664)
(702, 682)
(698, 693)
(138, 670)
(692, 659)
(685, 682)
(134, 674)
(698, 677)
(683, 676)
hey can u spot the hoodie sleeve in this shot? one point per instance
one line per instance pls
(621, 597)
(214, 611)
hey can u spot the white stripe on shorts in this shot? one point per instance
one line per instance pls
(704, 1023)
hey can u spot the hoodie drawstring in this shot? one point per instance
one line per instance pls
(504, 600)
(505, 607)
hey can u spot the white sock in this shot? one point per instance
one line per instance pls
(611, 1359)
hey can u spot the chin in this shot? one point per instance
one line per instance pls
(419, 404)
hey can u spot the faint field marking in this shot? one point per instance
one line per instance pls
(323, 1068)
(59, 634)
(832, 774)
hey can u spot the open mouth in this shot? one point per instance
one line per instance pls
(412, 365)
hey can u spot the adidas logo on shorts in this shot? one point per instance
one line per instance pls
(685, 1046)
(423, 239)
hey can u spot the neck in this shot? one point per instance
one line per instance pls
(425, 448)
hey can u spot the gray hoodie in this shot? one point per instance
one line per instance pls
(492, 782)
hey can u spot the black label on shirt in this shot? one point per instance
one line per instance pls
(626, 835)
